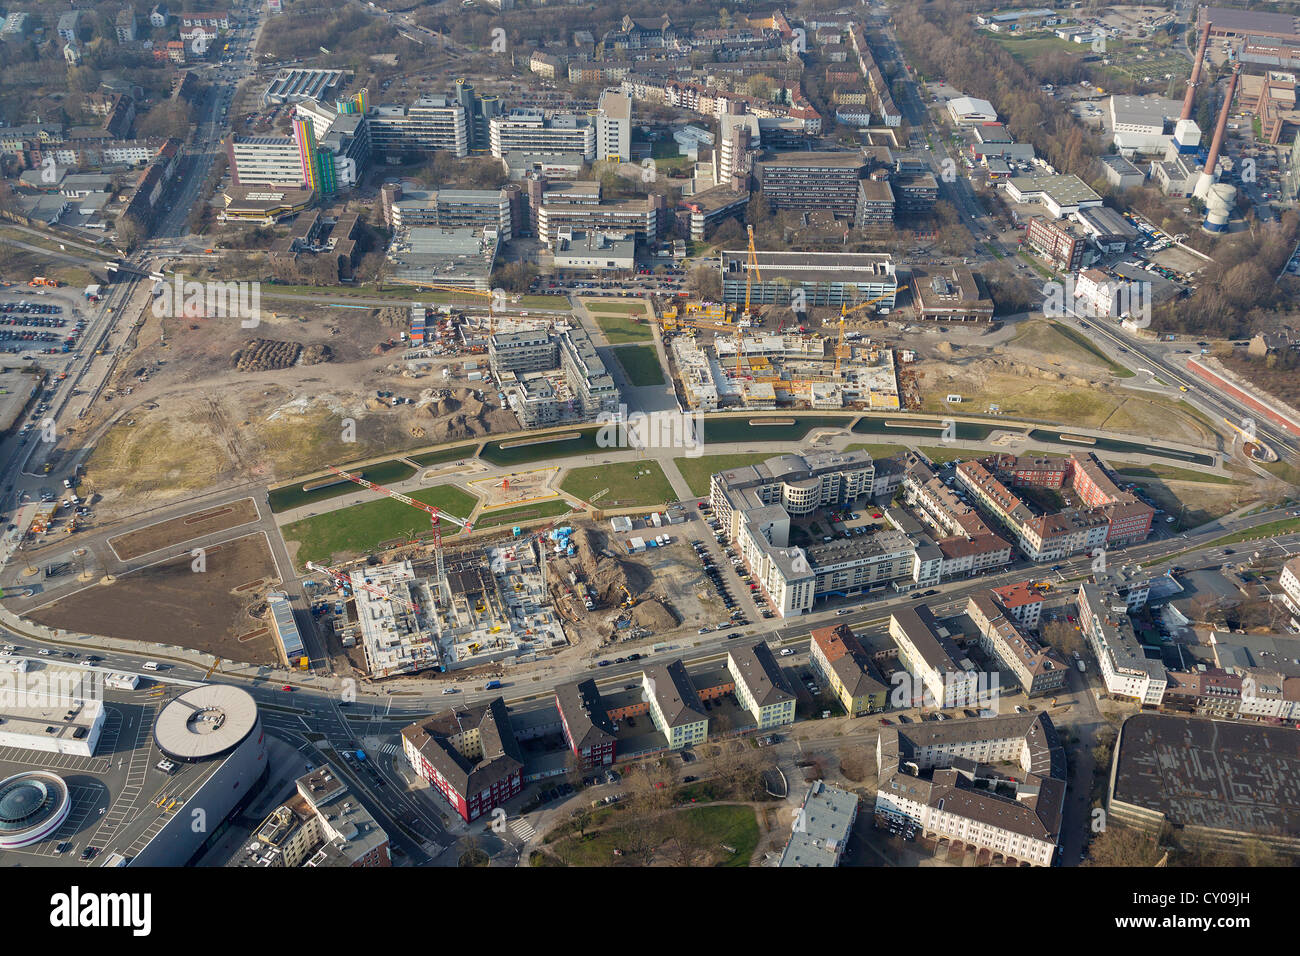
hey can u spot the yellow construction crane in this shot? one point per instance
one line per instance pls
(490, 296)
(845, 312)
(750, 273)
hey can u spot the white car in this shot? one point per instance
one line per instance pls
(451, 690)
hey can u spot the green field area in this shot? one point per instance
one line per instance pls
(1170, 473)
(1271, 529)
(696, 471)
(1044, 337)
(627, 484)
(441, 455)
(618, 306)
(363, 528)
(707, 827)
(621, 328)
(641, 364)
(292, 496)
(1080, 340)
(530, 512)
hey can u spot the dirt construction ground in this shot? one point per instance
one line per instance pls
(180, 419)
(172, 603)
(178, 530)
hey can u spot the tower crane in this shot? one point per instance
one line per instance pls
(435, 515)
(845, 312)
(343, 579)
(750, 272)
(490, 296)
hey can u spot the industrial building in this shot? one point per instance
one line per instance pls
(1061, 195)
(1142, 125)
(952, 295)
(967, 110)
(826, 278)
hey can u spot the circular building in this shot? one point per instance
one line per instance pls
(33, 805)
(206, 722)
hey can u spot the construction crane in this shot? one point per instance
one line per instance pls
(749, 277)
(435, 515)
(490, 296)
(343, 579)
(845, 312)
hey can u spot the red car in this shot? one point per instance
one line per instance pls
(287, 687)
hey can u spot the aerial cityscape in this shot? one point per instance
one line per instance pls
(574, 434)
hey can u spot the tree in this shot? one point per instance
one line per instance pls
(1122, 846)
(706, 283)
(682, 840)
(1062, 636)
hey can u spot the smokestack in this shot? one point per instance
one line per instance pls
(1190, 98)
(1217, 144)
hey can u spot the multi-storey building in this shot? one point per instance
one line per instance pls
(1289, 582)
(318, 827)
(450, 208)
(938, 776)
(431, 122)
(1023, 603)
(470, 755)
(1038, 670)
(822, 828)
(675, 708)
(825, 180)
(518, 359)
(760, 686)
(532, 131)
(967, 544)
(614, 127)
(826, 278)
(1125, 669)
(942, 676)
(1057, 243)
(838, 658)
(587, 728)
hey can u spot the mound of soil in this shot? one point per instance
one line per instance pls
(653, 615)
(261, 355)
(458, 414)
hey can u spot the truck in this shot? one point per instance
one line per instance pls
(492, 685)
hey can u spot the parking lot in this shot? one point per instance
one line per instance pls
(715, 558)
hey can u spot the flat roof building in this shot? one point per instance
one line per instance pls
(826, 278)
(951, 295)
(822, 827)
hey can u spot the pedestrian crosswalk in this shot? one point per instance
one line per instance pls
(522, 829)
(391, 749)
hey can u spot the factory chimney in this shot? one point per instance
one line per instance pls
(1190, 98)
(1211, 161)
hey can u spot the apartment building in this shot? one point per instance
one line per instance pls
(826, 278)
(1038, 670)
(838, 659)
(761, 688)
(320, 825)
(798, 483)
(942, 676)
(1023, 603)
(966, 543)
(429, 123)
(675, 708)
(1289, 582)
(1125, 669)
(525, 361)
(470, 755)
(125, 25)
(938, 776)
(587, 728)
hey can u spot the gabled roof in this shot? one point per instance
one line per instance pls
(501, 756)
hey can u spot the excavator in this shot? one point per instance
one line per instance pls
(628, 600)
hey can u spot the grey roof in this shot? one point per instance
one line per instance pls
(501, 754)
(584, 714)
(921, 630)
(1107, 222)
(824, 823)
(761, 673)
(675, 694)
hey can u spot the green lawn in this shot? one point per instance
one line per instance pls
(621, 328)
(529, 512)
(1082, 341)
(736, 826)
(1170, 473)
(362, 528)
(293, 496)
(641, 364)
(627, 482)
(620, 306)
(696, 471)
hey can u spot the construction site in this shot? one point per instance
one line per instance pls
(722, 355)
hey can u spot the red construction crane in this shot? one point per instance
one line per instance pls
(343, 579)
(435, 514)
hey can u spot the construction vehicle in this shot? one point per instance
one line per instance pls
(42, 281)
(628, 600)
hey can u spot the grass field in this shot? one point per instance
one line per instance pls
(641, 364)
(1080, 340)
(708, 827)
(1170, 473)
(618, 306)
(620, 328)
(292, 496)
(1045, 338)
(626, 484)
(362, 528)
(696, 471)
(529, 512)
